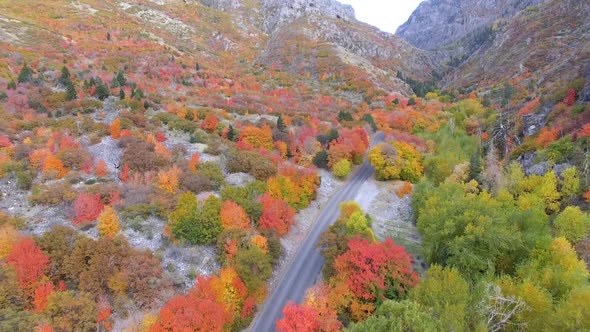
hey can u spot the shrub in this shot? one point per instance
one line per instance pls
(342, 168)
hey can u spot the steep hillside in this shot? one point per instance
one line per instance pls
(452, 24)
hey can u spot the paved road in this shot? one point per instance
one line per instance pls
(306, 266)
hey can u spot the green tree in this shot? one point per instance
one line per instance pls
(254, 267)
(570, 185)
(447, 294)
(65, 76)
(25, 75)
(195, 225)
(320, 159)
(102, 91)
(231, 134)
(403, 316)
(573, 224)
(71, 93)
(281, 123)
(121, 94)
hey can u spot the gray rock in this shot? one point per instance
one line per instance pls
(282, 12)
(538, 169)
(559, 168)
(439, 23)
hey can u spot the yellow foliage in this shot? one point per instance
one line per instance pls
(168, 180)
(108, 222)
(8, 236)
(260, 242)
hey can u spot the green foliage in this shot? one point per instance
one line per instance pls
(71, 93)
(253, 267)
(281, 123)
(102, 91)
(345, 116)
(213, 172)
(368, 118)
(573, 224)
(246, 197)
(320, 159)
(447, 295)
(570, 183)
(194, 224)
(342, 168)
(69, 312)
(231, 134)
(404, 316)
(452, 148)
(25, 75)
(397, 160)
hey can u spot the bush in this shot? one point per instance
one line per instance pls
(213, 172)
(342, 168)
(54, 195)
(573, 224)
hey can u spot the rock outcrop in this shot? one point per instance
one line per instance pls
(278, 13)
(437, 24)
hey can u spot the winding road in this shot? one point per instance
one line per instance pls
(304, 270)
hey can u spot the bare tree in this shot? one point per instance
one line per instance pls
(500, 309)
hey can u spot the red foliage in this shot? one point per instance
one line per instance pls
(277, 215)
(87, 207)
(530, 106)
(373, 269)
(197, 311)
(571, 97)
(44, 328)
(124, 175)
(160, 137)
(101, 168)
(30, 263)
(40, 296)
(299, 319)
(5, 142)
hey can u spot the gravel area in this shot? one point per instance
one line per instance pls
(392, 216)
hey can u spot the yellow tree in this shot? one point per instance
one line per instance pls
(168, 180)
(108, 222)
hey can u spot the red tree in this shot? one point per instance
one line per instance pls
(29, 262)
(277, 215)
(197, 311)
(40, 297)
(571, 97)
(299, 319)
(160, 137)
(210, 123)
(375, 271)
(87, 207)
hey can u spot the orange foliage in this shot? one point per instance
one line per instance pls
(530, 106)
(194, 162)
(37, 157)
(404, 190)
(258, 138)
(260, 242)
(160, 150)
(233, 216)
(547, 136)
(124, 175)
(101, 168)
(585, 131)
(587, 196)
(210, 123)
(29, 262)
(53, 167)
(116, 128)
(44, 328)
(168, 180)
(281, 148)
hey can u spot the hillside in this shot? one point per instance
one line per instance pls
(164, 162)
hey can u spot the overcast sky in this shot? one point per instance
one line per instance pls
(387, 15)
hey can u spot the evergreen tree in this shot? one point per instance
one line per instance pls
(281, 124)
(11, 85)
(102, 91)
(71, 91)
(231, 134)
(65, 76)
(121, 94)
(25, 75)
(108, 36)
(121, 78)
(412, 101)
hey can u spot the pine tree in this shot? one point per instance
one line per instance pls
(231, 134)
(25, 75)
(65, 76)
(281, 124)
(102, 91)
(71, 91)
(121, 94)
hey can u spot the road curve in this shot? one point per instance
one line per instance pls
(306, 266)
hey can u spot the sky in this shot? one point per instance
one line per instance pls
(387, 15)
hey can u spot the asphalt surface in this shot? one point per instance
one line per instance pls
(304, 270)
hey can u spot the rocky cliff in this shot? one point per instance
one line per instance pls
(437, 24)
